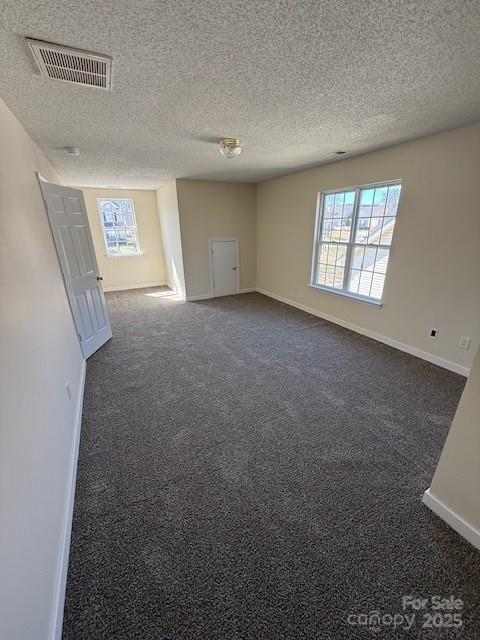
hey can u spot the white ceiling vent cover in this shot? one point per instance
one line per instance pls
(72, 65)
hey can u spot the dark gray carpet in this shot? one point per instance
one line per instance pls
(248, 471)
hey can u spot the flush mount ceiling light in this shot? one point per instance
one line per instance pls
(229, 147)
(72, 151)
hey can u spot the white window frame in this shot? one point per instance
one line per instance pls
(351, 243)
(139, 251)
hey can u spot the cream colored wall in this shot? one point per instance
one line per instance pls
(167, 203)
(216, 210)
(456, 482)
(434, 267)
(40, 354)
(144, 270)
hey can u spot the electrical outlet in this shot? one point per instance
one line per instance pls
(464, 342)
(69, 391)
(433, 333)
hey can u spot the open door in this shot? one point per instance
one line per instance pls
(71, 233)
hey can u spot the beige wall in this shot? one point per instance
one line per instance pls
(216, 210)
(167, 203)
(122, 272)
(433, 277)
(456, 483)
(40, 354)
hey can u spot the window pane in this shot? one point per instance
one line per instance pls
(357, 257)
(365, 283)
(363, 228)
(369, 230)
(119, 220)
(354, 280)
(366, 196)
(331, 266)
(369, 259)
(379, 201)
(378, 280)
(338, 278)
(328, 206)
(327, 230)
(323, 253)
(321, 274)
(332, 254)
(368, 269)
(381, 261)
(106, 206)
(339, 200)
(387, 230)
(341, 229)
(365, 211)
(129, 219)
(341, 256)
(108, 219)
(349, 198)
(392, 200)
(330, 277)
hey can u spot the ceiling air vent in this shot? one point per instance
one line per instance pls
(72, 65)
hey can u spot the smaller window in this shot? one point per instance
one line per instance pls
(119, 227)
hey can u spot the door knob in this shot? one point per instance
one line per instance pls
(234, 268)
(99, 278)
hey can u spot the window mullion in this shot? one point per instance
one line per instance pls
(346, 273)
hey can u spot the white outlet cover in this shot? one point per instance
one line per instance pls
(464, 342)
(69, 391)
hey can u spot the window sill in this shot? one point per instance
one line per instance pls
(344, 294)
(124, 255)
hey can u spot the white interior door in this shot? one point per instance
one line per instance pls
(225, 273)
(73, 241)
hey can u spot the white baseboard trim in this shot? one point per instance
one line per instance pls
(144, 285)
(424, 355)
(208, 296)
(64, 551)
(202, 296)
(452, 519)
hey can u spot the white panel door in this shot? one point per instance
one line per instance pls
(73, 241)
(225, 275)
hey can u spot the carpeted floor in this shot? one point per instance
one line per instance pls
(248, 471)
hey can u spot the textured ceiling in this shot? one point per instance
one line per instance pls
(295, 80)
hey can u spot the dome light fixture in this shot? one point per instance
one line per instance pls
(229, 147)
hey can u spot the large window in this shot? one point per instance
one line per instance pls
(354, 234)
(119, 226)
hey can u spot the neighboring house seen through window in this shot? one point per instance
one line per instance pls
(119, 226)
(354, 234)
